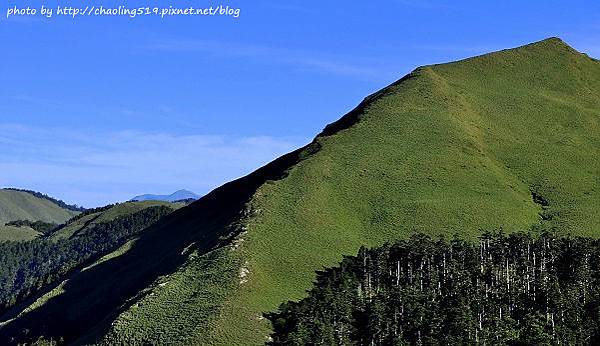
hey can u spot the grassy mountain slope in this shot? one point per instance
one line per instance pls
(506, 140)
(451, 148)
(13, 233)
(21, 205)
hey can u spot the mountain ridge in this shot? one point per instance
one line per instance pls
(525, 214)
(449, 149)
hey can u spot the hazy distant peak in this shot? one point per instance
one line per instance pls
(175, 196)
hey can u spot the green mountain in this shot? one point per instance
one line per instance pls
(506, 140)
(28, 205)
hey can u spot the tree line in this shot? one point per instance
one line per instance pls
(514, 289)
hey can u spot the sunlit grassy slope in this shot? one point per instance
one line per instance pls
(21, 205)
(506, 140)
(450, 149)
(13, 233)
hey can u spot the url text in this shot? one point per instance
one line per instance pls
(131, 12)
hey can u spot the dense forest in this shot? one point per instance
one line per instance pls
(504, 290)
(25, 267)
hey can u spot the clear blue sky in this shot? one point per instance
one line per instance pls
(95, 110)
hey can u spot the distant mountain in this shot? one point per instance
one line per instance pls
(174, 197)
(18, 204)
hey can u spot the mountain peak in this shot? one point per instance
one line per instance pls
(553, 40)
(551, 43)
(182, 191)
(549, 50)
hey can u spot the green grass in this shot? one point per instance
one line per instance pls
(13, 233)
(451, 149)
(194, 293)
(456, 148)
(20, 205)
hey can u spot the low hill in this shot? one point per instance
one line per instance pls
(505, 140)
(180, 195)
(32, 206)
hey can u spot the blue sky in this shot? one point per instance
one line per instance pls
(95, 110)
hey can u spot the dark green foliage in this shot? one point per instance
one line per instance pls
(26, 267)
(60, 203)
(506, 290)
(40, 226)
(185, 201)
(91, 211)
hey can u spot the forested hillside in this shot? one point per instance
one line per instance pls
(503, 290)
(31, 268)
(26, 267)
